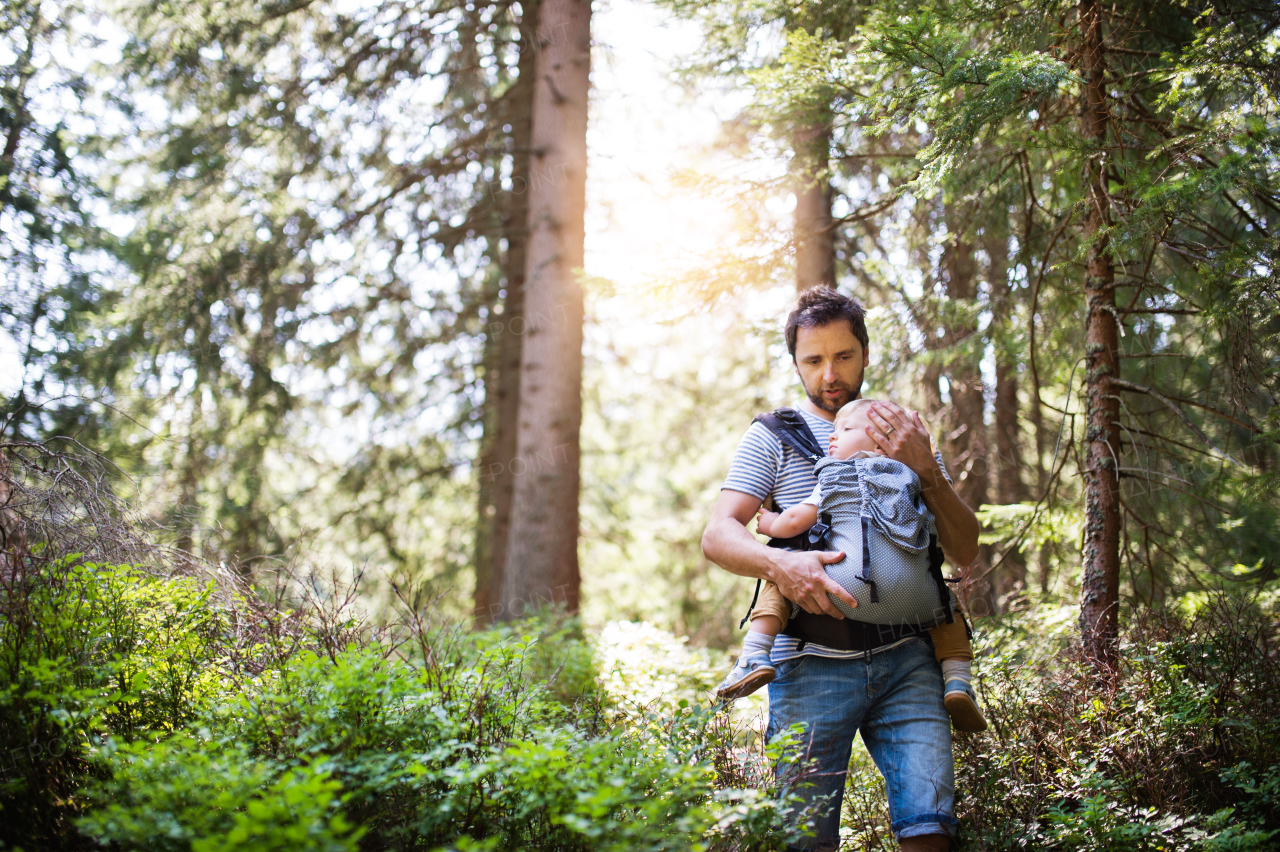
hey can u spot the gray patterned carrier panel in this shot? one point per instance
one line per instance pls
(898, 527)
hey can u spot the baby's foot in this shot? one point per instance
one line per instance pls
(751, 673)
(962, 704)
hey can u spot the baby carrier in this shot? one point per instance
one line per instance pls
(874, 512)
(905, 598)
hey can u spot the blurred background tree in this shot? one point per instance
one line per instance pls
(51, 243)
(271, 260)
(542, 546)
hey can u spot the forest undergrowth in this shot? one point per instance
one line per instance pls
(168, 705)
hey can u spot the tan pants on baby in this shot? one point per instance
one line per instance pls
(950, 641)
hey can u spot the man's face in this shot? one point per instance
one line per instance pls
(830, 361)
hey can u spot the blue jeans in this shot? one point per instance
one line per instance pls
(894, 698)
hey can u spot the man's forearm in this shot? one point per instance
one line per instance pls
(958, 527)
(801, 577)
(729, 544)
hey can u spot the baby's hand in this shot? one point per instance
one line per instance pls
(765, 521)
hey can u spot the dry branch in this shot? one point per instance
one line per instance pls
(1172, 406)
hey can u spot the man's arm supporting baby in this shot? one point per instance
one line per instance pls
(800, 575)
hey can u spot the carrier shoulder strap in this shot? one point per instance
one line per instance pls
(789, 426)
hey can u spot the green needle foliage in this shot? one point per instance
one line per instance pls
(305, 253)
(959, 164)
(1191, 166)
(51, 241)
(283, 333)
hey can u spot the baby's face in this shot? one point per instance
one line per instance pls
(851, 435)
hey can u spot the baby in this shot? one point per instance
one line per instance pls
(950, 639)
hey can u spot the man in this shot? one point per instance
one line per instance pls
(888, 687)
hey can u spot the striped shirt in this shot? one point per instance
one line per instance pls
(764, 467)
(774, 472)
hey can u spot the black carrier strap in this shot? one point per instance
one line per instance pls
(844, 634)
(789, 427)
(866, 561)
(819, 532)
(754, 598)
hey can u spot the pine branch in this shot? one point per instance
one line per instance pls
(1172, 406)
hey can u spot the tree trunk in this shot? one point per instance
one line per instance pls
(814, 234)
(486, 470)
(18, 115)
(1043, 558)
(504, 336)
(542, 554)
(1008, 448)
(1100, 591)
(966, 442)
(189, 484)
(13, 534)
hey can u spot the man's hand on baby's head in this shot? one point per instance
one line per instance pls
(901, 435)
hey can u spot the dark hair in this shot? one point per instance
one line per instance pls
(821, 306)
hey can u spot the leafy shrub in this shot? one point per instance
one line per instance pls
(156, 712)
(644, 666)
(145, 710)
(88, 651)
(419, 762)
(1179, 752)
(197, 719)
(180, 794)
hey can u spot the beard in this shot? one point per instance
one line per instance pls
(818, 398)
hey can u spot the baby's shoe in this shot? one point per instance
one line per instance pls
(747, 676)
(962, 704)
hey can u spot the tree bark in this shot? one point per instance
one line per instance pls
(966, 442)
(1008, 446)
(542, 556)
(1100, 590)
(13, 534)
(504, 336)
(814, 229)
(1043, 558)
(189, 484)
